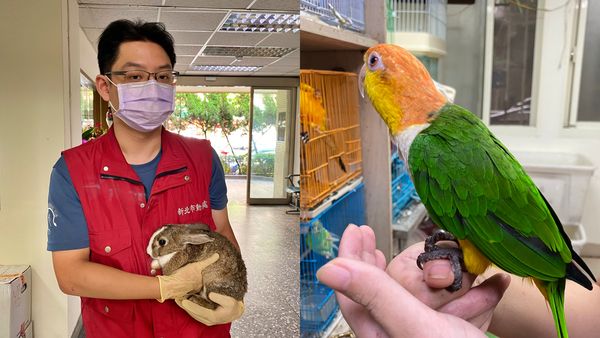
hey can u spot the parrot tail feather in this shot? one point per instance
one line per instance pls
(575, 274)
(555, 292)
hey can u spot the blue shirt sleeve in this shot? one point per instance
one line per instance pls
(218, 188)
(67, 227)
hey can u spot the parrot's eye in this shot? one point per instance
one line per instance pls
(374, 61)
(162, 242)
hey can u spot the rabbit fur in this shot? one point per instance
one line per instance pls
(174, 245)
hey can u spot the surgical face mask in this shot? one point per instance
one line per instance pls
(144, 106)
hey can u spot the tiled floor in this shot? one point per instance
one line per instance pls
(269, 240)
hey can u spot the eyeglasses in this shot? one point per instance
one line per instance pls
(133, 76)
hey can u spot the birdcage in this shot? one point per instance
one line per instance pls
(347, 14)
(418, 25)
(318, 305)
(403, 189)
(331, 148)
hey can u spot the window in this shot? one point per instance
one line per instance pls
(512, 62)
(86, 101)
(588, 106)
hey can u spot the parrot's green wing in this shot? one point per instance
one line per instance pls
(473, 187)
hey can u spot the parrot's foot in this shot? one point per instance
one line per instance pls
(454, 255)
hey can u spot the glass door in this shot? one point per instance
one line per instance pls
(271, 144)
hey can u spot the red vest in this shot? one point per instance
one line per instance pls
(120, 223)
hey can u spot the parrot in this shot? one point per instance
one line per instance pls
(312, 106)
(470, 183)
(313, 115)
(321, 241)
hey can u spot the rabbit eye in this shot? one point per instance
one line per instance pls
(162, 242)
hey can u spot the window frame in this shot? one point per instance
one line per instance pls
(576, 65)
(488, 69)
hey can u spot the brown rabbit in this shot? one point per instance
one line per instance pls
(174, 245)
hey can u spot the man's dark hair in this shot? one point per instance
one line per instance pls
(120, 31)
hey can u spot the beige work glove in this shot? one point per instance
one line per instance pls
(228, 309)
(184, 280)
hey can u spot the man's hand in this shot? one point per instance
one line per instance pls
(375, 305)
(228, 309)
(473, 304)
(184, 279)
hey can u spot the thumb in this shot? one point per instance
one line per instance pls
(221, 299)
(201, 265)
(393, 307)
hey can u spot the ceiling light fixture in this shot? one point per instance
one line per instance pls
(261, 22)
(212, 68)
(239, 52)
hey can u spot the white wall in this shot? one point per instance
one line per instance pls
(32, 134)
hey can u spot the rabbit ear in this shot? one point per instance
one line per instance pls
(196, 239)
(198, 226)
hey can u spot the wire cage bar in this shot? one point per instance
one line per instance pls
(403, 189)
(347, 14)
(417, 16)
(331, 153)
(318, 305)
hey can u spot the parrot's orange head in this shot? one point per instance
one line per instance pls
(399, 87)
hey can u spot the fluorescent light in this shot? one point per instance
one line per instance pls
(261, 22)
(274, 52)
(214, 68)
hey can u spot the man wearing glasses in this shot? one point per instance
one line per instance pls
(108, 196)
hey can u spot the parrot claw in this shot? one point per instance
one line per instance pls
(454, 255)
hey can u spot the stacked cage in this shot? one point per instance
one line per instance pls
(319, 239)
(403, 189)
(347, 14)
(331, 149)
(420, 27)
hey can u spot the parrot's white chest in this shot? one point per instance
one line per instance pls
(405, 139)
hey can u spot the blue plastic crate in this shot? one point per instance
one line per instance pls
(351, 10)
(318, 305)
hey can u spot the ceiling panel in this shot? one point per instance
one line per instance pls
(190, 38)
(231, 4)
(195, 25)
(191, 21)
(184, 60)
(277, 5)
(292, 59)
(101, 17)
(214, 60)
(236, 39)
(121, 2)
(187, 50)
(281, 40)
(254, 61)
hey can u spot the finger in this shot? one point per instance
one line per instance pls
(201, 265)
(212, 259)
(351, 243)
(404, 270)
(369, 250)
(380, 261)
(221, 299)
(360, 320)
(480, 299)
(386, 300)
(191, 306)
(438, 274)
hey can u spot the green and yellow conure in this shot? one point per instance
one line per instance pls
(471, 185)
